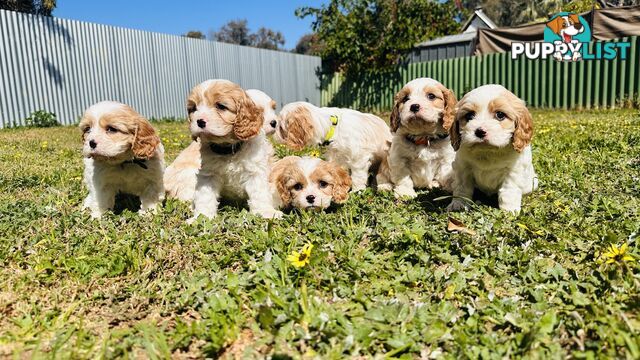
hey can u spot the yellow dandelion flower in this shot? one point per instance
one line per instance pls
(314, 153)
(301, 259)
(617, 254)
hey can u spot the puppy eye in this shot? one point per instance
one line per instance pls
(297, 187)
(431, 96)
(323, 184)
(111, 129)
(191, 108)
(221, 106)
(500, 115)
(405, 99)
(86, 129)
(470, 116)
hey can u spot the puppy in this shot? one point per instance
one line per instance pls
(355, 140)
(308, 183)
(566, 27)
(123, 154)
(421, 153)
(235, 154)
(492, 134)
(268, 106)
(180, 176)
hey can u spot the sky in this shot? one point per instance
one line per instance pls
(178, 17)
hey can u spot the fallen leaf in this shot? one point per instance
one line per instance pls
(459, 226)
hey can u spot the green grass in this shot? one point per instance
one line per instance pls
(385, 278)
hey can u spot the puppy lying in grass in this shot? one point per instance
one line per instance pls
(123, 154)
(308, 183)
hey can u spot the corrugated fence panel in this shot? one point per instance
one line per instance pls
(63, 66)
(541, 83)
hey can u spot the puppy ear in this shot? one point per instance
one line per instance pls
(394, 120)
(574, 18)
(248, 119)
(556, 24)
(83, 124)
(454, 134)
(279, 180)
(449, 113)
(299, 128)
(524, 128)
(342, 184)
(145, 140)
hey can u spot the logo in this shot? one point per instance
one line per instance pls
(567, 37)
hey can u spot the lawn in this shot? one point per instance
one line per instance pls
(385, 277)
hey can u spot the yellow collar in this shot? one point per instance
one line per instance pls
(332, 130)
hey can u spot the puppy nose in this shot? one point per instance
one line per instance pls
(93, 144)
(414, 108)
(273, 123)
(201, 123)
(481, 133)
(578, 26)
(311, 199)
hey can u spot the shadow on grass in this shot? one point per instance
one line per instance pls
(437, 200)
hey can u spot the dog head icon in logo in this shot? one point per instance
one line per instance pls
(567, 28)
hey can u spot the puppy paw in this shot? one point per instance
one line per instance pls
(148, 211)
(514, 209)
(359, 187)
(576, 56)
(385, 187)
(458, 205)
(434, 184)
(405, 192)
(96, 214)
(269, 213)
(557, 56)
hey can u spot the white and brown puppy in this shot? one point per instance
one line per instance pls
(268, 106)
(123, 154)
(421, 153)
(180, 176)
(235, 154)
(308, 183)
(355, 140)
(492, 135)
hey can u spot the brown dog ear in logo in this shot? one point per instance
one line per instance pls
(556, 24)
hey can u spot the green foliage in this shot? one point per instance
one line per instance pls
(359, 35)
(580, 6)
(514, 13)
(307, 45)
(385, 278)
(238, 32)
(194, 35)
(36, 7)
(41, 119)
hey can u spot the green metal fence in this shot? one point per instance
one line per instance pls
(541, 83)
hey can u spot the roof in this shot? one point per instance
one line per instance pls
(479, 13)
(466, 35)
(450, 39)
